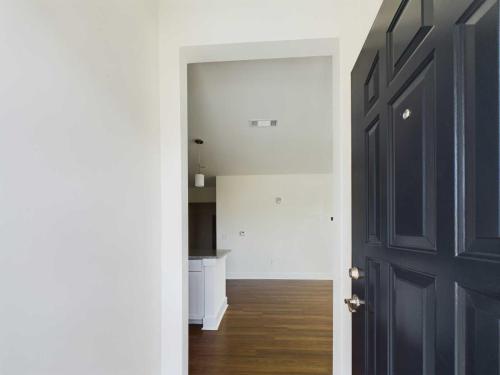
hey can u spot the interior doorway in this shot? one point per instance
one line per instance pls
(175, 281)
(260, 135)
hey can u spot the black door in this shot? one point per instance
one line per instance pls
(426, 193)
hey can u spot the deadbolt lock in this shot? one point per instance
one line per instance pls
(355, 273)
(353, 303)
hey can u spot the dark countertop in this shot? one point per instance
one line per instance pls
(204, 254)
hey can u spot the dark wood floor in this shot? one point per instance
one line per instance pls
(271, 327)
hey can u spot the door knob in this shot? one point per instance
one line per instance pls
(355, 273)
(353, 303)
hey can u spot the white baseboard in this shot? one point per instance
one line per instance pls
(211, 323)
(279, 276)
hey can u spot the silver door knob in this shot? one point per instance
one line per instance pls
(355, 273)
(353, 303)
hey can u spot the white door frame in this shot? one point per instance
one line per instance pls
(175, 239)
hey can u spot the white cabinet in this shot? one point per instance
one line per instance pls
(207, 291)
(196, 297)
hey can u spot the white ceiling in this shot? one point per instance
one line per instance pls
(224, 96)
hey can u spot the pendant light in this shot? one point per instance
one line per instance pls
(199, 178)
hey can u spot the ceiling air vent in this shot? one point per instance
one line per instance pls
(263, 123)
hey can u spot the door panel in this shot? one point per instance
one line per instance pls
(477, 58)
(372, 85)
(373, 182)
(376, 340)
(412, 197)
(413, 325)
(478, 333)
(426, 190)
(411, 23)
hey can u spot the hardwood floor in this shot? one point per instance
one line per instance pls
(271, 327)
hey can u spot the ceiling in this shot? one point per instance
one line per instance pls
(224, 96)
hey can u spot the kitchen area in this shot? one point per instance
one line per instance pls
(207, 264)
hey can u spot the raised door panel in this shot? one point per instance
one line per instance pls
(376, 320)
(372, 182)
(477, 333)
(477, 47)
(412, 22)
(413, 323)
(412, 163)
(372, 85)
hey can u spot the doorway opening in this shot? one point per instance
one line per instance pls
(260, 198)
(175, 235)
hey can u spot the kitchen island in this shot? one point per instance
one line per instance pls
(207, 288)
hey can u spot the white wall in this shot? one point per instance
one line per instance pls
(79, 190)
(200, 22)
(290, 240)
(78, 155)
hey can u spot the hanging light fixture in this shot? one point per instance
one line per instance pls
(199, 178)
